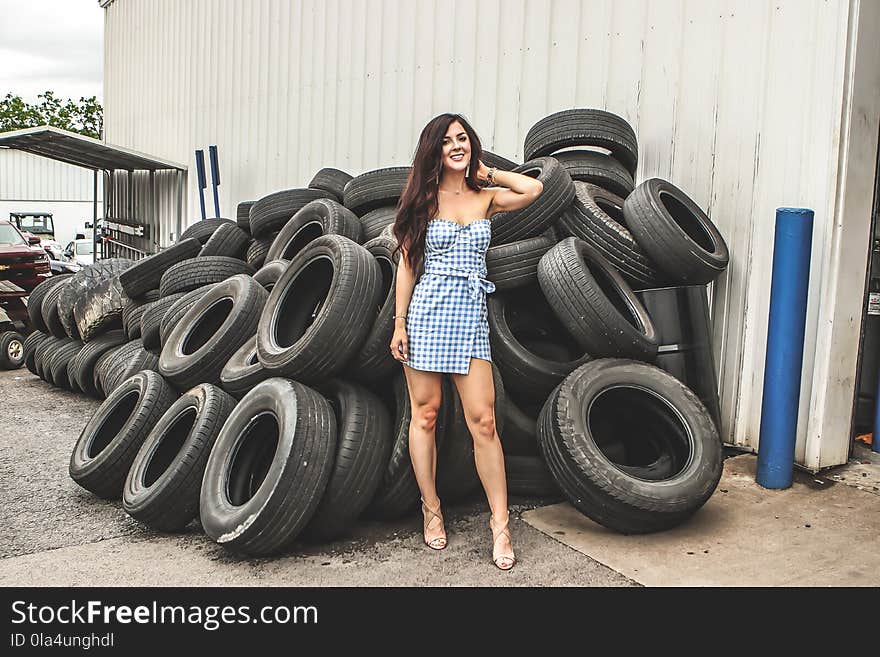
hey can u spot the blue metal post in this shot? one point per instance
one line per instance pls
(200, 170)
(785, 346)
(215, 177)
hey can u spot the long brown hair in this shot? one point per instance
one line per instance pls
(418, 202)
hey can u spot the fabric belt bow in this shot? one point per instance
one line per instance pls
(475, 281)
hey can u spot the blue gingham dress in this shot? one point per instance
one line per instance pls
(447, 320)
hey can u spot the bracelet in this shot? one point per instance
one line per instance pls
(398, 317)
(490, 177)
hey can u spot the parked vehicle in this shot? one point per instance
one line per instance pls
(80, 252)
(22, 260)
(58, 262)
(39, 224)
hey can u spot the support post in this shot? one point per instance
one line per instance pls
(785, 346)
(95, 216)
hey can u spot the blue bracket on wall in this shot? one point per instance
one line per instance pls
(215, 177)
(200, 171)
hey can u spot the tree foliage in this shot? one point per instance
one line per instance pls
(85, 117)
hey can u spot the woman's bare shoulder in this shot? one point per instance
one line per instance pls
(489, 199)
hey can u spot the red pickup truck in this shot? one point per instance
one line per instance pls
(22, 260)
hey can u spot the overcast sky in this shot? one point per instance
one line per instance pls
(51, 44)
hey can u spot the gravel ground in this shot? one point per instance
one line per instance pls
(58, 534)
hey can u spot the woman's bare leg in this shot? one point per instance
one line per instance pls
(425, 397)
(477, 392)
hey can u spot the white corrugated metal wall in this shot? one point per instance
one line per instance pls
(32, 183)
(741, 104)
(28, 177)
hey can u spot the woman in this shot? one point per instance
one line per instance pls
(440, 325)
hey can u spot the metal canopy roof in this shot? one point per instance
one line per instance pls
(82, 151)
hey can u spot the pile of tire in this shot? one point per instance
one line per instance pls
(625, 442)
(248, 381)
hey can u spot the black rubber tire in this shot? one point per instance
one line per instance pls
(164, 481)
(258, 493)
(334, 280)
(363, 446)
(60, 359)
(373, 361)
(271, 212)
(112, 437)
(243, 370)
(42, 350)
(374, 189)
(541, 213)
(99, 309)
(197, 272)
(123, 369)
(520, 436)
(242, 216)
(49, 356)
(211, 331)
(595, 304)
(179, 308)
(269, 273)
(100, 365)
(584, 127)
(110, 370)
(646, 414)
(529, 476)
(49, 310)
(151, 319)
(515, 320)
(33, 340)
(499, 162)
(35, 300)
(321, 217)
(257, 250)
(597, 169)
(398, 493)
(81, 284)
(202, 231)
(552, 233)
(331, 180)
(82, 366)
(134, 310)
(515, 264)
(145, 274)
(388, 233)
(11, 350)
(375, 221)
(227, 240)
(457, 474)
(676, 233)
(596, 217)
(72, 383)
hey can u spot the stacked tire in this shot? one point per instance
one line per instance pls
(248, 381)
(565, 310)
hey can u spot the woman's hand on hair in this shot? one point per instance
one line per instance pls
(482, 173)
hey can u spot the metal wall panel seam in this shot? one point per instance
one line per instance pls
(747, 384)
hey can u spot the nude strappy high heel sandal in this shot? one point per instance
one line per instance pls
(504, 561)
(438, 542)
